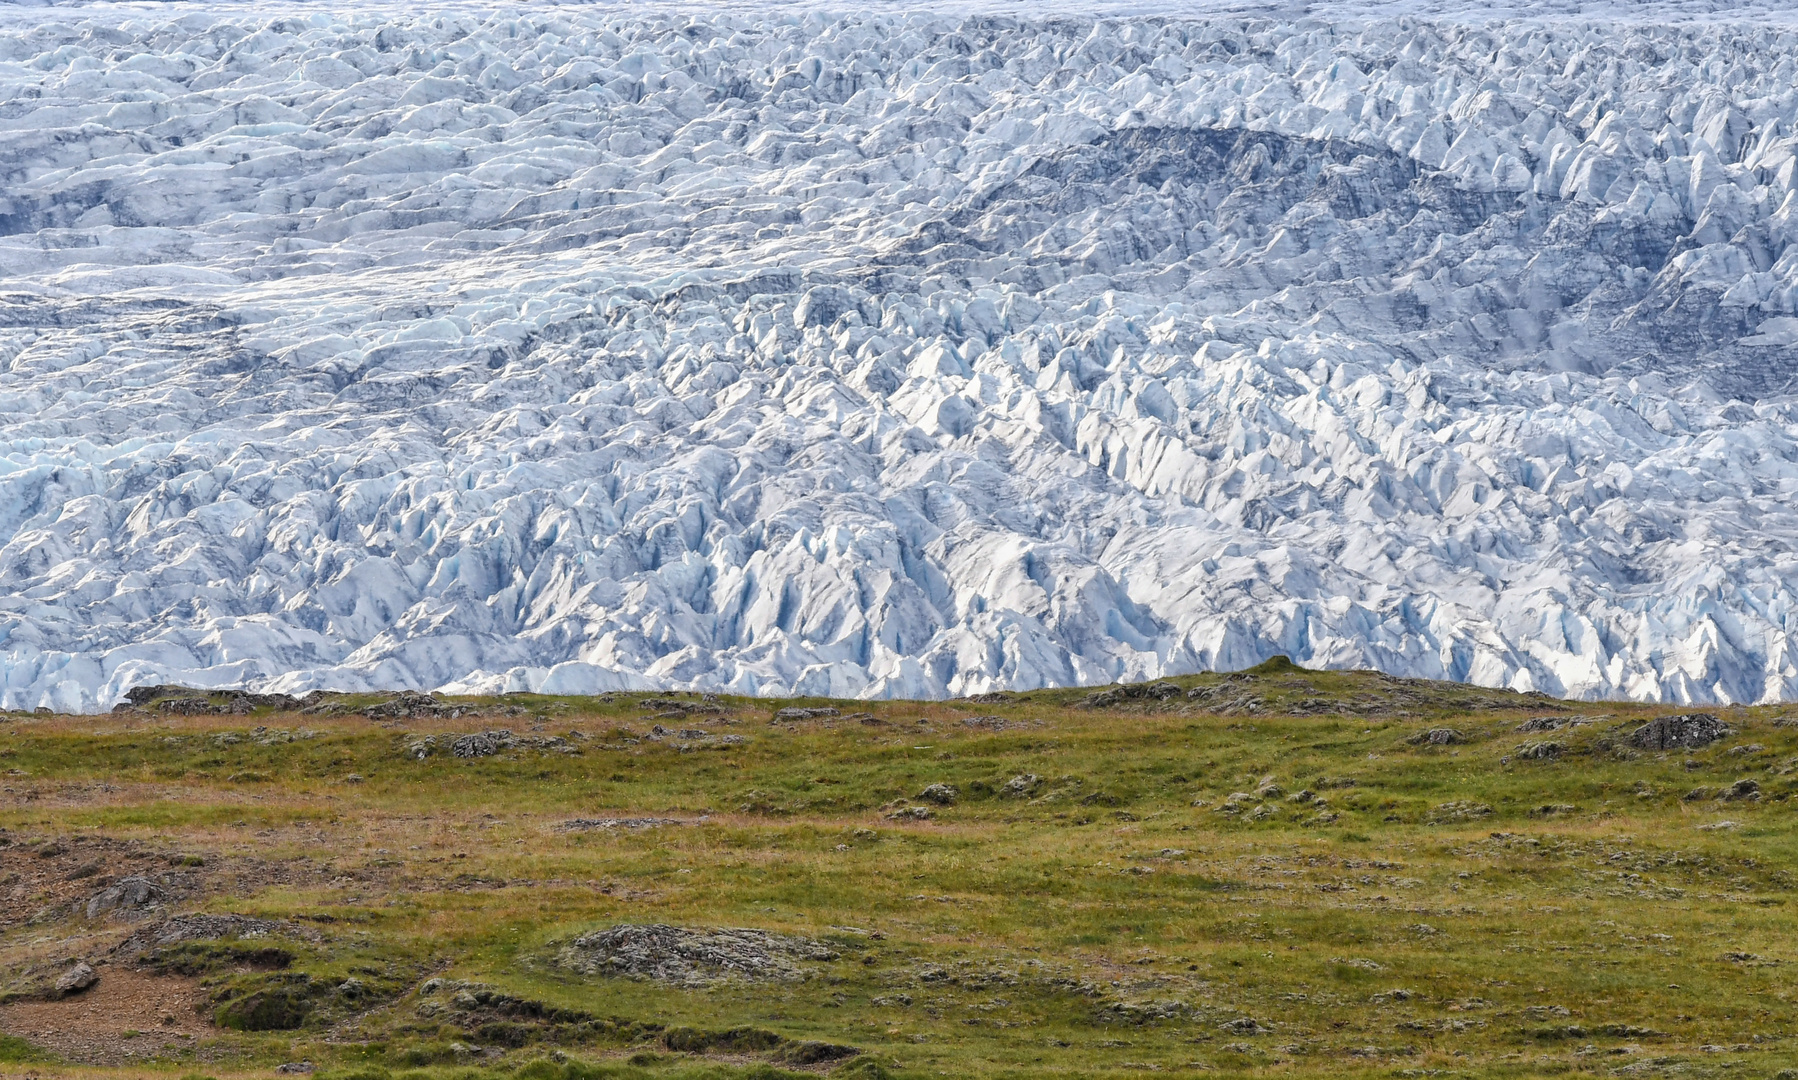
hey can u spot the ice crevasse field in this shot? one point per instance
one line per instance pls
(905, 352)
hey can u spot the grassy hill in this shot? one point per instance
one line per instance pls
(1279, 872)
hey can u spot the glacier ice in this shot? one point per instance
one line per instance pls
(917, 352)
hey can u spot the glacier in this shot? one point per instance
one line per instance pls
(910, 352)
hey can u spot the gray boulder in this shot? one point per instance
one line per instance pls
(1687, 731)
(75, 980)
(1022, 785)
(128, 897)
(482, 744)
(941, 794)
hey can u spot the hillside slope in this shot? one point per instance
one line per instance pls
(1275, 873)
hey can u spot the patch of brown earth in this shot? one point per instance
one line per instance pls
(50, 878)
(126, 1017)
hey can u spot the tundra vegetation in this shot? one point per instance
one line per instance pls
(1278, 872)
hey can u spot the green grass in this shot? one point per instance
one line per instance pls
(17, 1051)
(1446, 910)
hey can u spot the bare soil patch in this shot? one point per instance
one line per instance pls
(46, 878)
(126, 1016)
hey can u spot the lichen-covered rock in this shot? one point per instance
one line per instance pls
(1746, 788)
(199, 927)
(1460, 810)
(940, 794)
(686, 957)
(1537, 724)
(801, 713)
(1244, 1025)
(1546, 750)
(1021, 786)
(1687, 731)
(482, 744)
(77, 978)
(1157, 691)
(129, 897)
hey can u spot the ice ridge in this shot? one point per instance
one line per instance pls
(899, 354)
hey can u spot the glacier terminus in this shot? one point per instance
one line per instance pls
(896, 352)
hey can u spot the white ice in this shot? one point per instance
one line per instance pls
(904, 353)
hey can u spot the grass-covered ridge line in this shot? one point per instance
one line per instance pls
(1279, 872)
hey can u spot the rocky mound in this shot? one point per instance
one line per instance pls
(686, 957)
(1687, 731)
